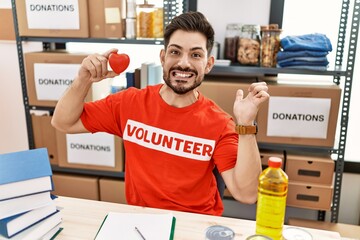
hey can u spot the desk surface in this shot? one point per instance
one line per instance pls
(82, 219)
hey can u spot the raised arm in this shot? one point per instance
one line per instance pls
(68, 110)
(242, 180)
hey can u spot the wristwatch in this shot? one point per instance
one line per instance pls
(243, 130)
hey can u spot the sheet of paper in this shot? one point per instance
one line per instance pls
(122, 226)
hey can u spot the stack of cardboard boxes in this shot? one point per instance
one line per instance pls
(297, 116)
(48, 74)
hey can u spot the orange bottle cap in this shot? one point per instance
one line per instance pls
(274, 162)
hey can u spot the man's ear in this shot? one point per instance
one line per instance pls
(162, 56)
(210, 64)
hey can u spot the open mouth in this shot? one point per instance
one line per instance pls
(182, 75)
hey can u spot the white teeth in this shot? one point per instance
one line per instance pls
(183, 75)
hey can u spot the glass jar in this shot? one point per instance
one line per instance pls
(248, 51)
(145, 18)
(231, 41)
(158, 23)
(270, 45)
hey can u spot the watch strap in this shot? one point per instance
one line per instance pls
(244, 130)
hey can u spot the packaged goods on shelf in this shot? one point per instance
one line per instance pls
(69, 185)
(63, 19)
(231, 41)
(223, 93)
(309, 195)
(48, 75)
(107, 193)
(310, 169)
(270, 45)
(248, 51)
(99, 151)
(45, 136)
(298, 114)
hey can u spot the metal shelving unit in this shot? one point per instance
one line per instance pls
(339, 72)
(171, 9)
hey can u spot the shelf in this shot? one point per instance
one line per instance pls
(93, 40)
(296, 148)
(236, 69)
(58, 169)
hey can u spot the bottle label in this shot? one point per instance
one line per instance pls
(270, 214)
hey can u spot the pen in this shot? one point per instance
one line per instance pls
(138, 231)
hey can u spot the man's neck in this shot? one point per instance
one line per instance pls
(178, 100)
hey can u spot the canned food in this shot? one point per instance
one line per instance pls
(258, 237)
(218, 232)
(293, 233)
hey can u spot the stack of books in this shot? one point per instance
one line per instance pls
(27, 209)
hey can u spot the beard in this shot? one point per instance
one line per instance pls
(179, 88)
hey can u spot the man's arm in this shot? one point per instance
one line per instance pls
(242, 180)
(68, 110)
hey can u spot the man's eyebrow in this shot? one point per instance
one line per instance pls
(192, 49)
(175, 45)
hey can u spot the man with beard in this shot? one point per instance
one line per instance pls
(173, 135)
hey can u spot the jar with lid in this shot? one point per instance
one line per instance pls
(231, 41)
(248, 52)
(130, 20)
(145, 17)
(158, 22)
(270, 45)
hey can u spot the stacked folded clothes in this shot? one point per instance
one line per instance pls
(305, 51)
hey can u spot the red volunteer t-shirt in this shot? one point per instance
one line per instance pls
(169, 152)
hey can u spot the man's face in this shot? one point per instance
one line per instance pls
(185, 61)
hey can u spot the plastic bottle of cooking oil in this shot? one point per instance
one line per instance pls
(271, 204)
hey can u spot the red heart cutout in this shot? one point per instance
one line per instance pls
(119, 62)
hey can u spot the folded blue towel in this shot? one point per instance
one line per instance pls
(293, 54)
(303, 63)
(313, 42)
(316, 68)
(310, 60)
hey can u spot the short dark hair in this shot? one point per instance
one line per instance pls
(191, 22)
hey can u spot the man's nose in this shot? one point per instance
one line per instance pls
(184, 61)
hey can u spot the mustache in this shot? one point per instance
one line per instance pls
(178, 68)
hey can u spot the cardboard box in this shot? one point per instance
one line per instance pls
(49, 74)
(112, 190)
(113, 19)
(310, 196)
(96, 18)
(222, 93)
(7, 31)
(99, 151)
(299, 115)
(310, 169)
(45, 136)
(63, 19)
(76, 186)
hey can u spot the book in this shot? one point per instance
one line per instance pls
(144, 74)
(50, 235)
(155, 74)
(12, 225)
(16, 178)
(136, 225)
(137, 78)
(39, 230)
(14, 206)
(130, 79)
